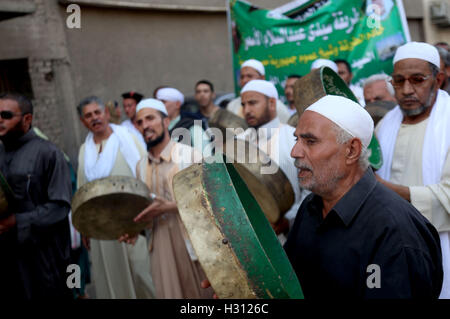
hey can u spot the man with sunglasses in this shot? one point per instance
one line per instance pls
(415, 141)
(34, 233)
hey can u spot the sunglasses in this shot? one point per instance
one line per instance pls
(7, 115)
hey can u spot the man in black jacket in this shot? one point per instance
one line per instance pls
(34, 234)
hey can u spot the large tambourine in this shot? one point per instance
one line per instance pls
(105, 208)
(263, 177)
(324, 81)
(234, 242)
(226, 121)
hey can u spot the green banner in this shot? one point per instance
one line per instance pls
(366, 33)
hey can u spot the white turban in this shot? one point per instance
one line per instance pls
(348, 115)
(151, 104)
(254, 64)
(261, 86)
(170, 94)
(324, 62)
(418, 50)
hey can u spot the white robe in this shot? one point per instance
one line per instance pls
(410, 158)
(133, 130)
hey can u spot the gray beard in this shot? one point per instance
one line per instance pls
(421, 109)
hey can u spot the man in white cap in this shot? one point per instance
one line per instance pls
(378, 88)
(324, 62)
(253, 70)
(275, 138)
(415, 140)
(119, 271)
(173, 99)
(175, 268)
(353, 237)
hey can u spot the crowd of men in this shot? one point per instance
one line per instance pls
(347, 217)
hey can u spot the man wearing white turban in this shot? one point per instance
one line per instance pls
(275, 138)
(353, 237)
(415, 141)
(174, 265)
(253, 70)
(173, 99)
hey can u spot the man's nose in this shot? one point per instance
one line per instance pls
(297, 151)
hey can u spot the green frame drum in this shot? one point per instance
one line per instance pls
(232, 238)
(321, 82)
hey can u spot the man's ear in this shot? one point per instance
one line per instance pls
(178, 104)
(166, 122)
(440, 78)
(273, 104)
(27, 119)
(353, 151)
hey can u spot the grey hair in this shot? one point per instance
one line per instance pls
(89, 100)
(343, 137)
(380, 77)
(444, 54)
(434, 69)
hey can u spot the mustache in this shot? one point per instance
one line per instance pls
(300, 165)
(96, 122)
(409, 99)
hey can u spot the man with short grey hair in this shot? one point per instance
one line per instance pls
(378, 88)
(119, 270)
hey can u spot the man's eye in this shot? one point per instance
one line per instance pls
(310, 142)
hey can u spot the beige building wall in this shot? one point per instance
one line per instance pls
(434, 33)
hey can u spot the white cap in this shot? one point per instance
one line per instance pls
(151, 104)
(348, 115)
(418, 50)
(170, 94)
(254, 64)
(261, 86)
(324, 62)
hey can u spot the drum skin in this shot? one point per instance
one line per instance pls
(227, 121)
(105, 208)
(324, 81)
(234, 242)
(273, 192)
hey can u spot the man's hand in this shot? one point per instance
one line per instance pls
(7, 223)
(281, 226)
(157, 207)
(205, 284)
(401, 190)
(127, 239)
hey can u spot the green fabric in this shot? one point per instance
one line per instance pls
(337, 30)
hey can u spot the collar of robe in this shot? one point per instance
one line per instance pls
(16, 143)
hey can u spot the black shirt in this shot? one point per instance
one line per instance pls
(370, 225)
(36, 252)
